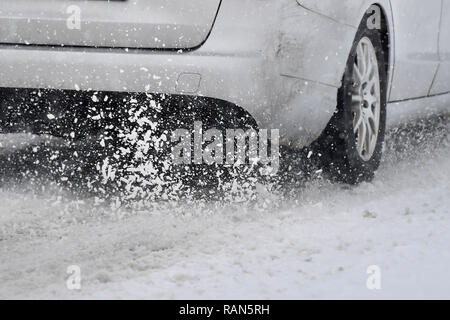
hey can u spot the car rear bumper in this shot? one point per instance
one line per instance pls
(233, 65)
(193, 73)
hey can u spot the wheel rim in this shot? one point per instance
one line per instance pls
(366, 102)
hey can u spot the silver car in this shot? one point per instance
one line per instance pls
(330, 73)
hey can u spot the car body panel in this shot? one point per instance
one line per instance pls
(402, 112)
(442, 80)
(347, 12)
(311, 81)
(350, 14)
(416, 47)
(160, 24)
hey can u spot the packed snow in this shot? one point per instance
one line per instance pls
(317, 244)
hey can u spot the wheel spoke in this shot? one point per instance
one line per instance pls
(361, 137)
(369, 114)
(373, 126)
(361, 62)
(368, 138)
(357, 74)
(357, 120)
(371, 100)
(372, 81)
(368, 61)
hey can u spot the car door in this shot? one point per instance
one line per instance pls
(160, 24)
(442, 80)
(416, 25)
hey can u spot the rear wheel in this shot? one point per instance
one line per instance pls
(351, 145)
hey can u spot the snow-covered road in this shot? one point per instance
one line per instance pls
(318, 245)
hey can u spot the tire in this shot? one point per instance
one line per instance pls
(344, 155)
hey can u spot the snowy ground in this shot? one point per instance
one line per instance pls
(318, 245)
